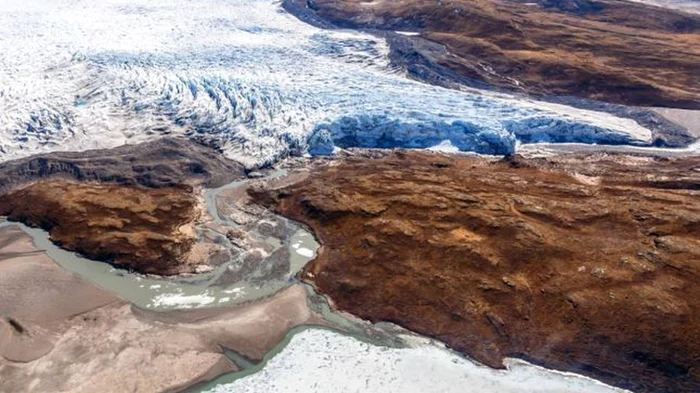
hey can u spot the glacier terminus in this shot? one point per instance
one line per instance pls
(248, 77)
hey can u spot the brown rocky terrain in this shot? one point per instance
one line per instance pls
(609, 50)
(145, 229)
(161, 163)
(132, 206)
(585, 263)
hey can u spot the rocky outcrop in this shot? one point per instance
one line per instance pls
(614, 51)
(133, 206)
(144, 229)
(161, 163)
(581, 263)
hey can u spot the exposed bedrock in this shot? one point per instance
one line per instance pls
(133, 206)
(581, 263)
(613, 51)
(416, 55)
(161, 163)
(144, 229)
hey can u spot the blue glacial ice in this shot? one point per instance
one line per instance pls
(76, 75)
(385, 132)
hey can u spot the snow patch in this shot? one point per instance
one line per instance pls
(236, 291)
(445, 146)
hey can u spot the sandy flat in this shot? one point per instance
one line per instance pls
(59, 333)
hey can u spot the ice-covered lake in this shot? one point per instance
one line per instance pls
(79, 74)
(321, 361)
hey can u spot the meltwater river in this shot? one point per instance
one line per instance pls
(205, 290)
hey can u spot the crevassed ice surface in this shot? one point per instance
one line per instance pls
(79, 74)
(320, 361)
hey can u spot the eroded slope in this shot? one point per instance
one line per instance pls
(582, 263)
(134, 205)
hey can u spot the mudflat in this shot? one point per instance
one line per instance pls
(59, 333)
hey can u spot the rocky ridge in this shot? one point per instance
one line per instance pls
(147, 230)
(161, 163)
(613, 51)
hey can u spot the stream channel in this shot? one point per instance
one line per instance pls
(217, 288)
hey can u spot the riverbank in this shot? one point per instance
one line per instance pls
(218, 247)
(496, 257)
(247, 329)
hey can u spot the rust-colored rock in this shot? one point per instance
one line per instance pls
(582, 263)
(613, 51)
(144, 229)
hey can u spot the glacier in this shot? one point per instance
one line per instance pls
(248, 77)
